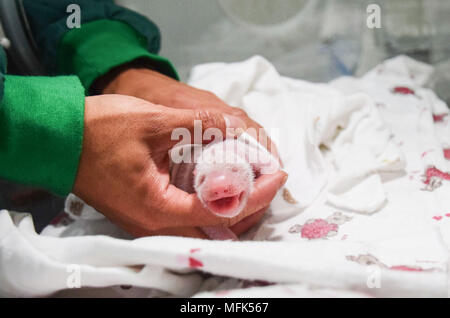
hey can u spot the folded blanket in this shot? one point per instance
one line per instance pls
(364, 211)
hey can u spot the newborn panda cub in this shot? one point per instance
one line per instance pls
(222, 174)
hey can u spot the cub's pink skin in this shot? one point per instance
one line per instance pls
(222, 176)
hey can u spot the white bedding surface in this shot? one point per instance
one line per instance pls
(354, 219)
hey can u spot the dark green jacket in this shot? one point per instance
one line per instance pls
(41, 118)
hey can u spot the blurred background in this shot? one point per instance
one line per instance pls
(316, 40)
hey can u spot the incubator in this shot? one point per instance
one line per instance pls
(358, 91)
(315, 40)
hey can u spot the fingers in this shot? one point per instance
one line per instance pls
(195, 232)
(182, 231)
(247, 223)
(206, 125)
(264, 190)
(183, 209)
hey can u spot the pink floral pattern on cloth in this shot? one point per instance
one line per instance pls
(433, 178)
(446, 153)
(426, 152)
(320, 228)
(440, 217)
(439, 118)
(190, 260)
(369, 259)
(403, 90)
(194, 262)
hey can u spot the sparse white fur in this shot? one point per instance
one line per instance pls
(226, 155)
(230, 154)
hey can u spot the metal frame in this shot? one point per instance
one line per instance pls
(22, 52)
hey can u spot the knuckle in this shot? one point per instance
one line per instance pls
(209, 119)
(178, 96)
(239, 112)
(211, 95)
(227, 222)
(207, 94)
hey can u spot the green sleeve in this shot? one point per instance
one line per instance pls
(110, 35)
(41, 131)
(99, 46)
(41, 118)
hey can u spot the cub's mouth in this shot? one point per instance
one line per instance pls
(227, 205)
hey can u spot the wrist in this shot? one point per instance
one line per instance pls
(138, 81)
(117, 79)
(125, 81)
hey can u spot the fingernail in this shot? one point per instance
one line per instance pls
(234, 122)
(238, 131)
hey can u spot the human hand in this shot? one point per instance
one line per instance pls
(157, 88)
(124, 168)
(152, 86)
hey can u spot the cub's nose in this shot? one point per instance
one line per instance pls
(223, 192)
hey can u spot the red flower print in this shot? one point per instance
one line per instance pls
(433, 178)
(318, 228)
(321, 228)
(426, 152)
(447, 153)
(406, 268)
(437, 217)
(403, 90)
(369, 259)
(439, 118)
(435, 172)
(194, 263)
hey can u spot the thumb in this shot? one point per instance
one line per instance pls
(206, 125)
